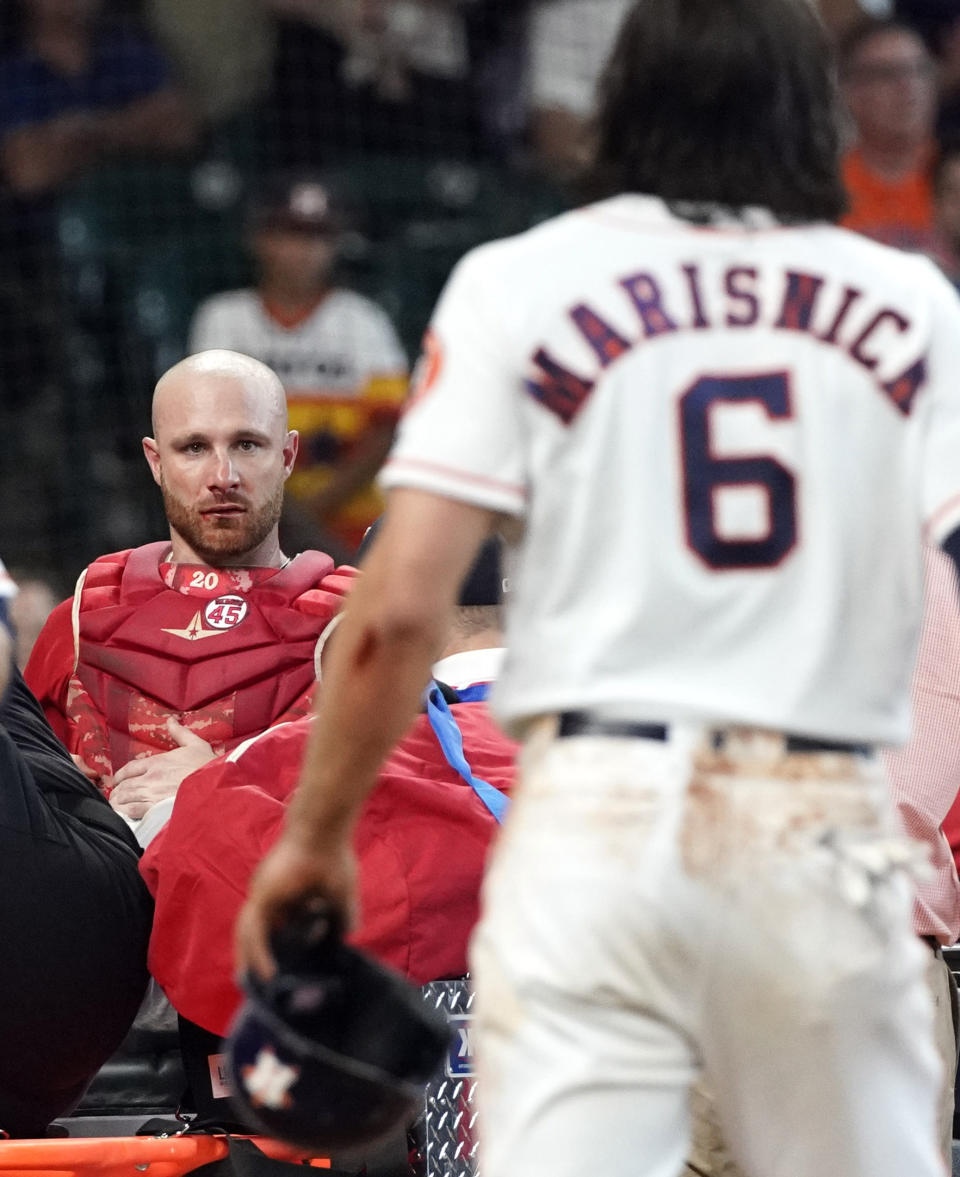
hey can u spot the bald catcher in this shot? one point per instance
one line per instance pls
(174, 652)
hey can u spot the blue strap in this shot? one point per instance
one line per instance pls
(451, 743)
(478, 693)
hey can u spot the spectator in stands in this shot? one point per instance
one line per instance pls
(223, 50)
(372, 75)
(78, 90)
(209, 633)
(570, 40)
(888, 82)
(336, 352)
(422, 839)
(74, 919)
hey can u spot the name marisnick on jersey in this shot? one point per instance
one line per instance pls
(829, 312)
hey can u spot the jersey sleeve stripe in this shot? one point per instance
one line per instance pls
(473, 488)
(494, 484)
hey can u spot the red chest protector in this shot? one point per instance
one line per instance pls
(228, 656)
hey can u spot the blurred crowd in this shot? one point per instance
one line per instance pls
(154, 153)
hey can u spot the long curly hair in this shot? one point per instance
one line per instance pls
(724, 101)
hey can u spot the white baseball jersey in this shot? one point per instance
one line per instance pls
(725, 443)
(337, 349)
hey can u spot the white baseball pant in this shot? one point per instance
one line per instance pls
(655, 907)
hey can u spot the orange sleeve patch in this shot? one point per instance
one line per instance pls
(428, 369)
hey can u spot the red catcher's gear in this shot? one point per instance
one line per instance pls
(421, 844)
(227, 652)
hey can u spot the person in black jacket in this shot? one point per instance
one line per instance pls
(74, 919)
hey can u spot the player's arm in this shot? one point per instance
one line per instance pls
(392, 631)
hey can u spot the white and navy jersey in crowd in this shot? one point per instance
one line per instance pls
(725, 443)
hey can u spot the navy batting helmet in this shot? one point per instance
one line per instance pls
(335, 1050)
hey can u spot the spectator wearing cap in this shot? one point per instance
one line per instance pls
(339, 358)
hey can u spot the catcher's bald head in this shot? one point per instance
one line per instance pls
(210, 374)
(220, 453)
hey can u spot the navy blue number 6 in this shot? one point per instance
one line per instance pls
(704, 473)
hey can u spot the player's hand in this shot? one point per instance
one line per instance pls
(142, 783)
(295, 872)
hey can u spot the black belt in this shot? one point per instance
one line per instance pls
(583, 723)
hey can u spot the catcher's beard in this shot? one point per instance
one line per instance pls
(225, 540)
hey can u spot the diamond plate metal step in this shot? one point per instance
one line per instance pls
(450, 1112)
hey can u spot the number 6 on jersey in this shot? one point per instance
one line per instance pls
(705, 474)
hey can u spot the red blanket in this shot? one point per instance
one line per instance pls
(422, 842)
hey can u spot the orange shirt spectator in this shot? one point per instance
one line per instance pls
(890, 92)
(896, 211)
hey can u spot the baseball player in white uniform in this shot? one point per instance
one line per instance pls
(722, 426)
